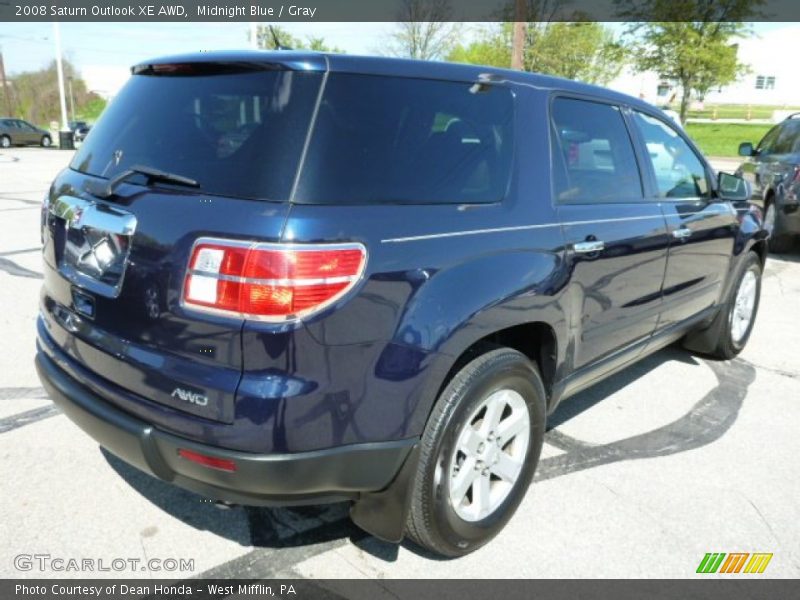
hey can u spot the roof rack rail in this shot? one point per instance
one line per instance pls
(793, 115)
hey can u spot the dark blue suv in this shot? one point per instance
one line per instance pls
(286, 278)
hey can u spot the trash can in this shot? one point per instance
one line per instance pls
(66, 140)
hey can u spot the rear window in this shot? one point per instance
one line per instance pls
(385, 140)
(237, 132)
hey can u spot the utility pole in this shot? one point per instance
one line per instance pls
(518, 39)
(4, 83)
(71, 98)
(60, 69)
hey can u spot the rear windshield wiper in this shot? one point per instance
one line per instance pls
(150, 173)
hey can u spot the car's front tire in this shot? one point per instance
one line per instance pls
(778, 243)
(5, 141)
(737, 316)
(46, 141)
(478, 453)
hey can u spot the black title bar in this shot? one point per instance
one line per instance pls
(396, 10)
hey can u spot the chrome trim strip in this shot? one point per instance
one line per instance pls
(276, 282)
(82, 213)
(433, 236)
(78, 214)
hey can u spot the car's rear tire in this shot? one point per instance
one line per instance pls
(777, 243)
(5, 141)
(46, 141)
(469, 483)
(737, 316)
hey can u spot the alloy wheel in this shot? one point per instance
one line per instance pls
(743, 306)
(489, 455)
(769, 219)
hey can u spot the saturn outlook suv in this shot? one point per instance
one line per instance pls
(297, 278)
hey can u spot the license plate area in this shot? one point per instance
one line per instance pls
(92, 243)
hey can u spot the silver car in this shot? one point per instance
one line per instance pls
(16, 132)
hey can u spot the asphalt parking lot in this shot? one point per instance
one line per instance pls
(641, 476)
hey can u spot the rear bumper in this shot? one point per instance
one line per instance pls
(277, 479)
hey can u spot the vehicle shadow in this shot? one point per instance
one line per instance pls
(792, 255)
(708, 419)
(260, 527)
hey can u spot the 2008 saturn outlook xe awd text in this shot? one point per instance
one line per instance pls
(286, 278)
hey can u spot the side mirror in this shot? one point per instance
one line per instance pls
(746, 149)
(733, 188)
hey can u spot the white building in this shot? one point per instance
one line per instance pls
(773, 78)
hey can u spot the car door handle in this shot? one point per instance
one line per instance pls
(682, 233)
(588, 246)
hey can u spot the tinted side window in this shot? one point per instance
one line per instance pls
(395, 140)
(768, 141)
(787, 138)
(593, 157)
(678, 171)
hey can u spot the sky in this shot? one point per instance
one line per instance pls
(29, 46)
(104, 52)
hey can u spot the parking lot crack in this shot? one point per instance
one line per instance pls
(776, 371)
(28, 417)
(15, 270)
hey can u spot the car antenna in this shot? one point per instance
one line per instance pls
(278, 45)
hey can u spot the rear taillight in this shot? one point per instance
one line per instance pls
(271, 282)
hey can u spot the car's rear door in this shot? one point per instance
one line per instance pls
(14, 132)
(702, 227)
(616, 239)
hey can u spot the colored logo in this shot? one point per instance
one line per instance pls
(734, 562)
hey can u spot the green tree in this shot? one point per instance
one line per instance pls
(691, 42)
(424, 30)
(90, 111)
(270, 37)
(36, 99)
(492, 47)
(585, 51)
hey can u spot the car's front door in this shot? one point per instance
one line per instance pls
(616, 240)
(702, 227)
(752, 169)
(781, 160)
(28, 133)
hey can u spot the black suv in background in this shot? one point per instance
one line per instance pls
(80, 129)
(773, 168)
